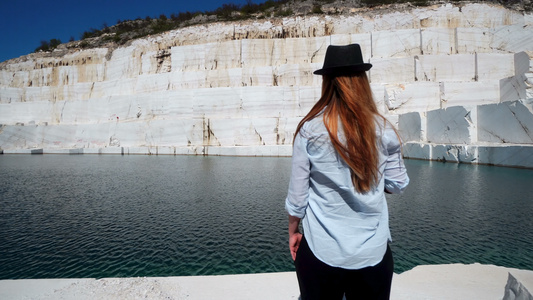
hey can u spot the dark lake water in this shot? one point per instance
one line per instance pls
(100, 216)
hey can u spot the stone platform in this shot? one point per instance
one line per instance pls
(439, 282)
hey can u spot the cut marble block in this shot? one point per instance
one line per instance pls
(20, 79)
(225, 78)
(307, 98)
(470, 93)
(513, 88)
(512, 38)
(284, 130)
(396, 43)
(34, 94)
(305, 50)
(454, 153)
(242, 132)
(12, 94)
(510, 156)
(261, 101)
(282, 150)
(98, 110)
(522, 63)
(379, 95)
(85, 135)
(291, 102)
(6, 78)
(416, 150)
(219, 102)
(114, 87)
(111, 150)
(210, 56)
(295, 75)
(289, 128)
(129, 134)
(63, 151)
(438, 41)
(180, 132)
(120, 108)
(152, 82)
(508, 122)
(458, 67)
(411, 127)
(420, 96)
(473, 40)
(454, 125)
(188, 80)
(317, 79)
(60, 136)
(481, 15)
(393, 119)
(124, 63)
(20, 137)
(363, 39)
(39, 112)
(80, 91)
(392, 70)
(264, 52)
(189, 57)
(223, 55)
(176, 104)
(81, 73)
(149, 62)
(36, 78)
(259, 76)
(492, 66)
(528, 20)
(73, 112)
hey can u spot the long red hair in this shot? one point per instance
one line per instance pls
(348, 99)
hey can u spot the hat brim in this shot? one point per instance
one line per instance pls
(343, 70)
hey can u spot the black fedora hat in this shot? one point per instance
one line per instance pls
(343, 60)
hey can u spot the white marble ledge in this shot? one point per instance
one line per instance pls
(442, 282)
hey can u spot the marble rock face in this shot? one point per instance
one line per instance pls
(454, 125)
(444, 74)
(412, 127)
(518, 116)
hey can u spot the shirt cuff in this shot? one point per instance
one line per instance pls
(295, 211)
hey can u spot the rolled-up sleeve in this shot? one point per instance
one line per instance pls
(396, 178)
(298, 194)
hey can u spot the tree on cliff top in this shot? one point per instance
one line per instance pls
(48, 46)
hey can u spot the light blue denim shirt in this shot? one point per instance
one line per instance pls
(344, 228)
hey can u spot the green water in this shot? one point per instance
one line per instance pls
(127, 216)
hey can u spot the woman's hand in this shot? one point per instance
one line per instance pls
(294, 243)
(295, 237)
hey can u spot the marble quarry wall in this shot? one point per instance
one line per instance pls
(455, 79)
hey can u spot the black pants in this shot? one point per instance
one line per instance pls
(320, 281)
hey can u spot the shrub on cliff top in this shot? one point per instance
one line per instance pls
(48, 46)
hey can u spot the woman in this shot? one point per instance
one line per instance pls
(346, 156)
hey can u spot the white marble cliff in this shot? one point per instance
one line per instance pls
(456, 80)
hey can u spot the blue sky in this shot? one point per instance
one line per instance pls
(24, 24)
